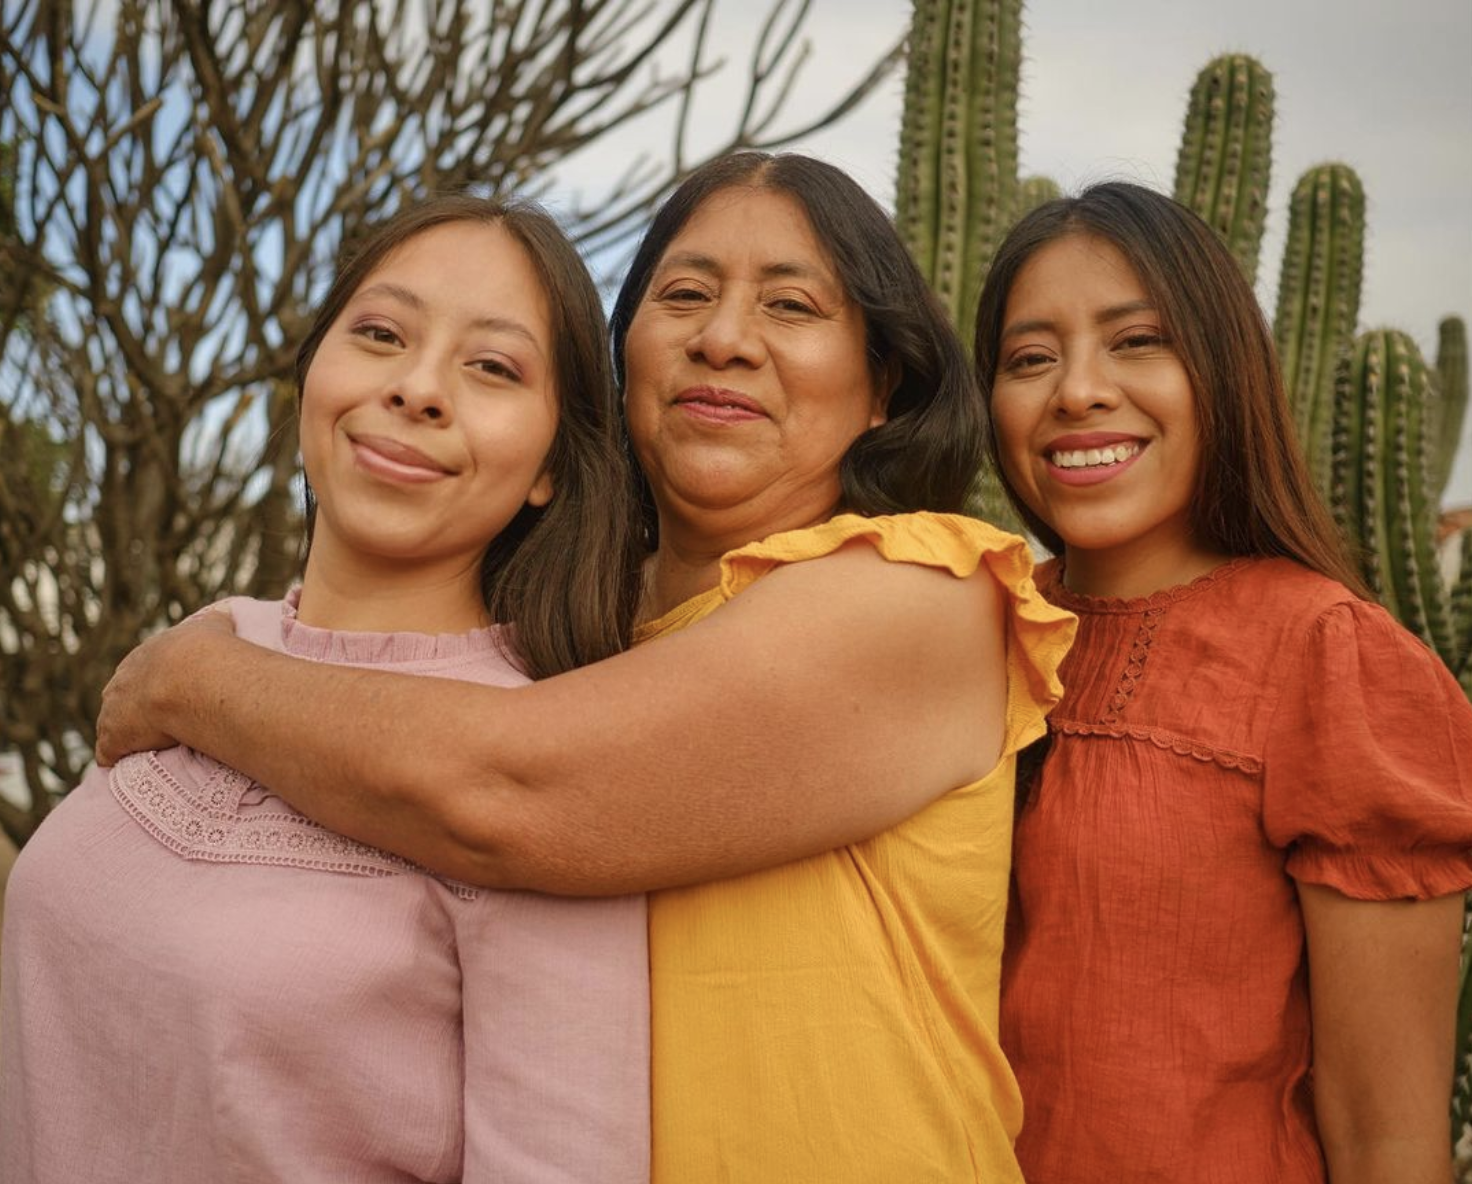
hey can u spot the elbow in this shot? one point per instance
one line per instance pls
(505, 834)
(474, 834)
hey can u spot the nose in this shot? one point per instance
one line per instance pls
(418, 391)
(1084, 385)
(728, 334)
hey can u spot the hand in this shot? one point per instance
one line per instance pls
(127, 721)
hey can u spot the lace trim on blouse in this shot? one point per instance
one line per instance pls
(1161, 738)
(1134, 668)
(208, 823)
(1152, 610)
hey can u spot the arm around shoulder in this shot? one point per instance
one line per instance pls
(827, 702)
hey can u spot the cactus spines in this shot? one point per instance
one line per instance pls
(1461, 609)
(1451, 375)
(958, 143)
(1381, 489)
(1319, 299)
(1226, 153)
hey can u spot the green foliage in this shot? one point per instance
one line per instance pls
(1226, 152)
(1451, 383)
(1319, 299)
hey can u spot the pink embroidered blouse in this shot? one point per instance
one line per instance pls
(201, 985)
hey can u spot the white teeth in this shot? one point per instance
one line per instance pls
(1081, 457)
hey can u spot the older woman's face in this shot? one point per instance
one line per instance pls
(746, 374)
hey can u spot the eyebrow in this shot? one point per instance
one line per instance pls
(711, 266)
(416, 302)
(1103, 317)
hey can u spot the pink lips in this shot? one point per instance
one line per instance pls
(718, 405)
(1091, 474)
(395, 461)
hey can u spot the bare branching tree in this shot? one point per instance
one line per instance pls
(175, 178)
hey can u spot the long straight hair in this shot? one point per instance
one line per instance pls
(563, 575)
(1254, 494)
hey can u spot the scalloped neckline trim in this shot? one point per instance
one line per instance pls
(1080, 602)
(347, 645)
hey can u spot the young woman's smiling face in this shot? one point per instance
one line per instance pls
(430, 407)
(1097, 419)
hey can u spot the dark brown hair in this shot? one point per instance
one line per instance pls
(1254, 494)
(565, 574)
(933, 442)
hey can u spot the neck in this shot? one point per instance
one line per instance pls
(688, 560)
(390, 598)
(1130, 572)
(672, 575)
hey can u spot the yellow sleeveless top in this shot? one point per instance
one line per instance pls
(835, 1019)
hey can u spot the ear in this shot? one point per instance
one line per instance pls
(541, 491)
(886, 382)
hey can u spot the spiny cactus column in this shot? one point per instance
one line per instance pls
(958, 143)
(1226, 153)
(1461, 613)
(1319, 299)
(1451, 374)
(956, 191)
(1381, 485)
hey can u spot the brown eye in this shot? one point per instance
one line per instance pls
(497, 369)
(377, 333)
(1026, 359)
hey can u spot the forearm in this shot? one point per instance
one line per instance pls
(1383, 982)
(359, 751)
(1388, 1160)
(759, 736)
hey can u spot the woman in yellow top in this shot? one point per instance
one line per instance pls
(826, 726)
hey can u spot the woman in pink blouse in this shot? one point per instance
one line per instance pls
(198, 982)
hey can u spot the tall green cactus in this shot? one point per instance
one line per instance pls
(957, 186)
(958, 143)
(1451, 375)
(1319, 299)
(1381, 484)
(1226, 153)
(1461, 610)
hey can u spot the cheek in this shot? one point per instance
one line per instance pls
(640, 349)
(1010, 422)
(313, 428)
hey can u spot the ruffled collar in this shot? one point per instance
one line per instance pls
(335, 645)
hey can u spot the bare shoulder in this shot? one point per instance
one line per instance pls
(883, 609)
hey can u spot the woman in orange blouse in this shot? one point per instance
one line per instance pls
(1232, 950)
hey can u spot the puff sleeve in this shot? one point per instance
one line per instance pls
(1368, 770)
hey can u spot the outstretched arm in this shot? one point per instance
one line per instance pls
(1383, 978)
(827, 702)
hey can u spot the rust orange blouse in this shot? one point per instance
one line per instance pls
(1216, 743)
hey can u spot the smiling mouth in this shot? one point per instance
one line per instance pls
(1082, 458)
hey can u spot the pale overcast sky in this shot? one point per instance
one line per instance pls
(1386, 88)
